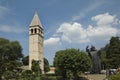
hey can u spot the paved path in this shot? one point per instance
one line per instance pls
(96, 76)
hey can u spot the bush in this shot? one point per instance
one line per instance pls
(114, 77)
(49, 77)
(59, 78)
(50, 74)
(70, 63)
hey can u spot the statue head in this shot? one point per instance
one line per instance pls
(92, 48)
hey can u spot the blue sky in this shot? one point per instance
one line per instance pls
(66, 23)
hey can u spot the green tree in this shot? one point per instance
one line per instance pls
(25, 60)
(28, 75)
(36, 67)
(10, 55)
(114, 77)
(9, 75)
(102, 54)
(46, 65)
(113, 52)
(110, 54)
(10, 50)
(70, 63)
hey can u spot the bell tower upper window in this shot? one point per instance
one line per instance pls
(35, 30)
(31, 31)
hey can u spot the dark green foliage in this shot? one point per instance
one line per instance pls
(51, 77)
(50, 74)
(27, 72)
(25, 60)
(113, 52)
(70, 63)
(114, 77)
(17, 49)
(102, 54)
(8, 75)
(3, 41)
(27, 75)
(10, 51)
(110, 54)
(36, 67)
(10, 55)
(48, 78)
(46, 65)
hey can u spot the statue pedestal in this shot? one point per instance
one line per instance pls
(96, 67)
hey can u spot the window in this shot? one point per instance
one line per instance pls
(35, 30)
(31, 31)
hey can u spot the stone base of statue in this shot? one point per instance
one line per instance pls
(96, 66)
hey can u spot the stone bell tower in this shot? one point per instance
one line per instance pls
(36, 42)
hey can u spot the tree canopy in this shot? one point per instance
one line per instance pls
(10, 54)
(36, 67)
(10, 50)
(25, 60)
(110, 54)
(70, 62)
(46, 65)
(113, 52)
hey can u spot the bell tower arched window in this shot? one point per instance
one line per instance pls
(31, 31)
(35, 30)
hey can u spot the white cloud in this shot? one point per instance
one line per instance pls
(101, 33)
(11, 29)
(87, 10)
(3, 10)
(73, 33)
(76, 33)
(104, 28)
(8, 27)
(52, 42)
(104, 19)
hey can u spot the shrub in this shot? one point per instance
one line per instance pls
(114, 77)
(49, 77)
(50, 74)
(70, 63)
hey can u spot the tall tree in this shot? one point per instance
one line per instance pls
(25, 60)
(113, 53)
(46, 65)
(110, 54)
(10, 54)
(36, 67)
(70, 62)
(102, 54)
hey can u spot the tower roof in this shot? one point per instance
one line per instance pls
(36, 21)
